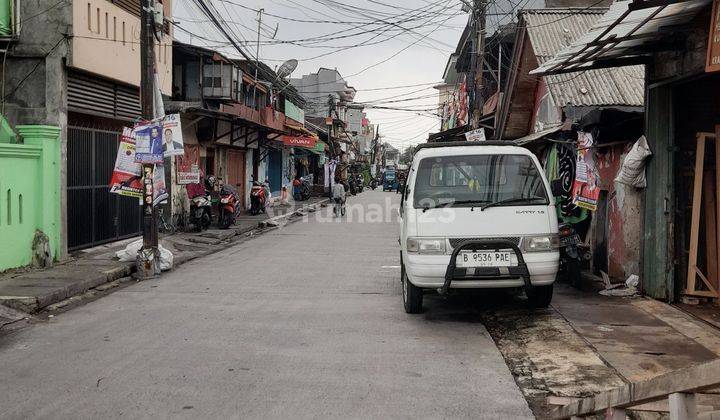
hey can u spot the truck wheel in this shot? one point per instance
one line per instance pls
(412, 296)
(541, 296)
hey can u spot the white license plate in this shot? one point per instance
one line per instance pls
(485, 259)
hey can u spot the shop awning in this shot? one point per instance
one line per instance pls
(524, 141)
(298, 127)
(624, 35)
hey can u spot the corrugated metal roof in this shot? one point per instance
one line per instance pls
(552, 30)
(624, 33)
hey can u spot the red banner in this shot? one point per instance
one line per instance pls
(299, 141)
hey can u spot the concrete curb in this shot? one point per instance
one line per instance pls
(215, 242)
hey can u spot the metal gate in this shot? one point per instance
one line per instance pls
(94, 215)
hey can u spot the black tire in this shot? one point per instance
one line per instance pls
(541, 296)
(573, 272)
(226, 220)
(254, 208)
(206, 220)
(412, 295)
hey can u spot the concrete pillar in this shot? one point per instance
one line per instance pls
(48, 139)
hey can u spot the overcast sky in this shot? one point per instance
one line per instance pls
(392, 57)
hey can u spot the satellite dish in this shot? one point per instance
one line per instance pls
(286, 68)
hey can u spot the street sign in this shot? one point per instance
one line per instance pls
(475, 135)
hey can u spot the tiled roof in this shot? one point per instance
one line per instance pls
(551, 30)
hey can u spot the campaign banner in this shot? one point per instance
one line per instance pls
(188, 165)
(586, 191)
(127, 175)
(148, 142)
(172, 136)
(160, 193)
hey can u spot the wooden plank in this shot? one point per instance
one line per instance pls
(711, 251)
(615, 414)
(695, 217)
(682, 406)
(692, 379)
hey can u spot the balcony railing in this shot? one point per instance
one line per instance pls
(267, 116)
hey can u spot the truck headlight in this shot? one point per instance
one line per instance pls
(541, 243)
(426, 245)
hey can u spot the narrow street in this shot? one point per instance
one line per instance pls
(305, 321)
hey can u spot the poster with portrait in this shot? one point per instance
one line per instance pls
(127, 175)
(188, 165)
(172, 137)
(160, 193)
(148, 142)
(586, 190)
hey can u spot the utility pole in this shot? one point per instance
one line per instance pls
(477, 63)
(148, 259)
(257, 56)
(329, 123)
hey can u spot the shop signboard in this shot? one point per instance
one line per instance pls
(712, 62)
(127, 175)
(307, 142)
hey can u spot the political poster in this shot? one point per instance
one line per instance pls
(127, 175)
(172, 136)
(148, 142)
(188, 165)
(586, 191)
(160, 193)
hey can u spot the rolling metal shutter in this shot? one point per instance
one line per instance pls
(95, 96)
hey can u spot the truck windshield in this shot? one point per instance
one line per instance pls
(474, 180)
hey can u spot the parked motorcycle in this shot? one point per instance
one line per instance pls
(359, 182)
(258, 198)
(373, 183)
(572, 254)
(229, 206)
(301, 188)
(201, 204)
(352, 188)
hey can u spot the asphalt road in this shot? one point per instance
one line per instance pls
(302, 322)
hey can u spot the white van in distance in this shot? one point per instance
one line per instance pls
(477, 215)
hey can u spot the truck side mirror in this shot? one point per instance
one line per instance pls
(556, 188)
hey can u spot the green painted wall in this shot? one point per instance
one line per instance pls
(29, 191)
(293, 111)
(5, 18)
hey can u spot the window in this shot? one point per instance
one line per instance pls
(217, 79)
(477, 179)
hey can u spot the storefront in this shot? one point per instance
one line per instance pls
(680, 241)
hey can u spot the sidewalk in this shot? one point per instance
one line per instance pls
(587, 343)
(32, 290)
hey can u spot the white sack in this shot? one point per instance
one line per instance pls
(632, 171)
(129, 253)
